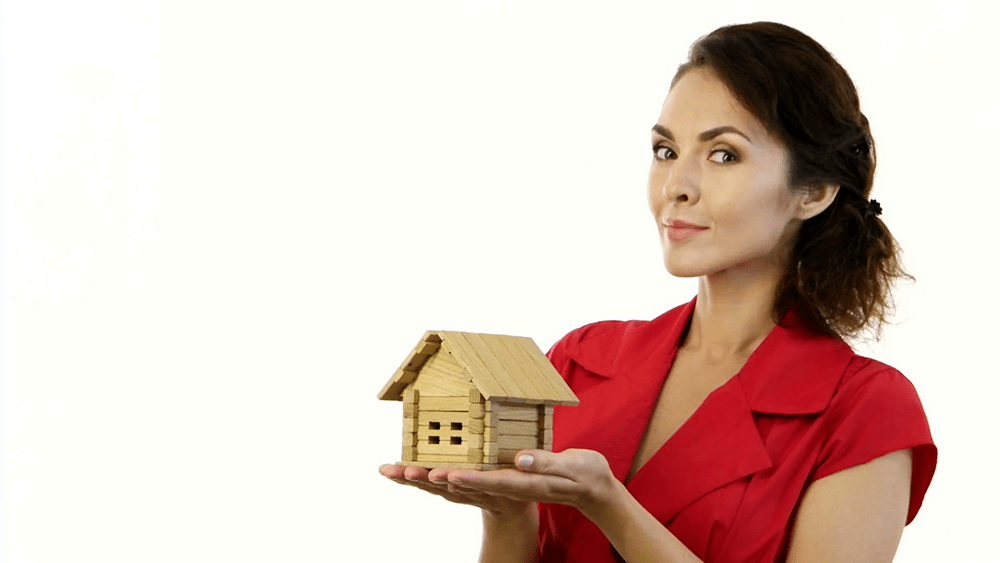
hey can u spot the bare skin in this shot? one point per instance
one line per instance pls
(716, 168)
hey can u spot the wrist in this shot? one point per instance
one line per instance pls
(523, 516)
(607, 503)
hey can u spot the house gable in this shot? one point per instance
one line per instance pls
(442, 376)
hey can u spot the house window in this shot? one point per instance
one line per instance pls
(444, 435)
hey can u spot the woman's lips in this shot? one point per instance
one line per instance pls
(681, 233)
(681, 230)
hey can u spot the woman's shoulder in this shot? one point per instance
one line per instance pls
(602, 334)
(876, 410)
(870, 377)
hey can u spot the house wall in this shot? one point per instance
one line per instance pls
(443, 430)
(510, 428)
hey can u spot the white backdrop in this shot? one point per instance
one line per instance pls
(227, 223)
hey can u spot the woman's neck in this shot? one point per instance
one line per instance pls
(733, 314)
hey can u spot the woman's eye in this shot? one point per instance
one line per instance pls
(722, 156)
(663, 153)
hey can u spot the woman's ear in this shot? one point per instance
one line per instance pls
(816, 199)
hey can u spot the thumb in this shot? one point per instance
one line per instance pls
(534, 461)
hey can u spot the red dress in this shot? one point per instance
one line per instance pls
(728, 482)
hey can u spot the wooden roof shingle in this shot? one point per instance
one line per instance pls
(507, 368)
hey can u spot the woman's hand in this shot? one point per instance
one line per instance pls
(578, 478)
(436, 481)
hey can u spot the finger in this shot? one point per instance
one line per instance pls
(414, 473)
(518, 485)
(440, 474)
(392, 470)
(453, 493)
(540, 461)
(570, 464)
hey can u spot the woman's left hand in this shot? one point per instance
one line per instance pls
(577, 478)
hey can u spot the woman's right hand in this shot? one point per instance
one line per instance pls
(435, 481)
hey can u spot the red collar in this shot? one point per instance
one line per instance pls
(794, 371)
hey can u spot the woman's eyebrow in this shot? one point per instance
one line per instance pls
(704, 136)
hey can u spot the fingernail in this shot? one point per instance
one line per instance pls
(525, 461)
(456, 480)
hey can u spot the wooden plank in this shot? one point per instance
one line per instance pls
(510, 428)
(517, 442)
(475, 426)
(458, 404)
(545, 436)
(506, 456)
(559, 391)
(545, 423)
(475, 410)
(427, 348)
(475, 455)
(517, 427)
(409, 439)
(443, 376)
(489, 454)
(518, 364)
(415, 362)
(475, 396)
(409, 424)
(492, 414)
(444, 418)
(491, 449)
(511, 412)
(442, 448)
(456, 464)
(487, 367)
(409, 453)
(474, 441)
(441, 459)
(495, 350)
(550, 384)
(410, 396)
(409, 410)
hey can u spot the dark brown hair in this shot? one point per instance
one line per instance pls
(845, 260)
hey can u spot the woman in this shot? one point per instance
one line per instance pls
(738, 427)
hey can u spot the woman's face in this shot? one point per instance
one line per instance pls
(718, 183)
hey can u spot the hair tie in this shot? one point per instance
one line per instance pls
(873, 208)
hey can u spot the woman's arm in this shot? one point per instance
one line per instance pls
(856, 514)
(853, 516)
(509, 538)
(583, 480)
(635, 533)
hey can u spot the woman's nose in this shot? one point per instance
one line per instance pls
(681, 184)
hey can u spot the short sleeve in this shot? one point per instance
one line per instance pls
(557, 355)
(565, 353)
(872, 415)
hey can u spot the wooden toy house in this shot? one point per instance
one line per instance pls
(475, 400)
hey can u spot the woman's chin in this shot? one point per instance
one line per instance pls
(684, 270)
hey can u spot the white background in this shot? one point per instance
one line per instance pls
(227, 223)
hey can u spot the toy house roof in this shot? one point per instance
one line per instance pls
(507, 368)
